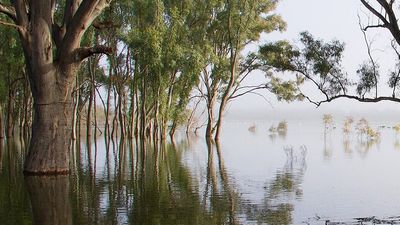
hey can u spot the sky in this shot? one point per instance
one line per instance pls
(327, 20)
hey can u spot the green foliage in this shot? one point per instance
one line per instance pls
(315, 61)
(12, 61)
(285, 90)
(278, 55)
(368, 78)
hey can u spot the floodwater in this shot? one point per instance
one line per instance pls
(306, 175)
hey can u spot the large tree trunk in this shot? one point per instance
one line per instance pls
(52, 55)
(51, 127)
(51, 136)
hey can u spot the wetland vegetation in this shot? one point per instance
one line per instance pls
(114, 112)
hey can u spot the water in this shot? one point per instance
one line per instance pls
(302, 176)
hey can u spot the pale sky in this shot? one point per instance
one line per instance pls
(327, 19)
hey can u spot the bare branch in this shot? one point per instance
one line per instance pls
(250, 90)
(377, 99)
(392, 25)
(373, 26)
(376, 13)
(85, 52)
(374, 65)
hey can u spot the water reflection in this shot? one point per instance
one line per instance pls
(50, 200)
(350, 144)
(219, 187)
(14, 199)
(133, 182)
(328, 144)
(280, 192)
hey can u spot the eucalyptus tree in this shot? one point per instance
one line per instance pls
(166, 63)
(319, 62)
(182, 61)
(12, 80)
(53, 54)
(242, 23)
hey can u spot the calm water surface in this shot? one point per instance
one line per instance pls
(303, 176)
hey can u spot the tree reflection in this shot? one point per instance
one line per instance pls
(277, 206)
(143, 183)
(219, 192)
(50, 199)
(14, 199)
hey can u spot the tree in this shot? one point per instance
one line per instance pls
(228, 67)
(52, 51)
(319, 62)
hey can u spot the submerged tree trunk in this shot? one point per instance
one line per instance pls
(52, 56)
(51, 128)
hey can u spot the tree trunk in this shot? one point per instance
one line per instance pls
(1, 123)
(51, 127)
(10, 113)
(75, 110)
(219, 121)
(210, 119)
(225, 96)
(53, 56)
(49, 146)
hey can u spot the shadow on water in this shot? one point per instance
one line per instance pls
(132, 182)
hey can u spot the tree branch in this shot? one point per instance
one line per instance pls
(9, 11)
(376, 13)
(369, 51)
(353, 97)
(374, 26)
(100, 25)
(392, 25)
(85, 52)
(85, 15)
(71, 6)
(21, 13)
(251, 89)
(19, 28)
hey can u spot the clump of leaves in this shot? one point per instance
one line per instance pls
(281, 129)
(347, 125)
(397, 128)
(328, 121)
(282, 126)
(369, 75)
(364, 130)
